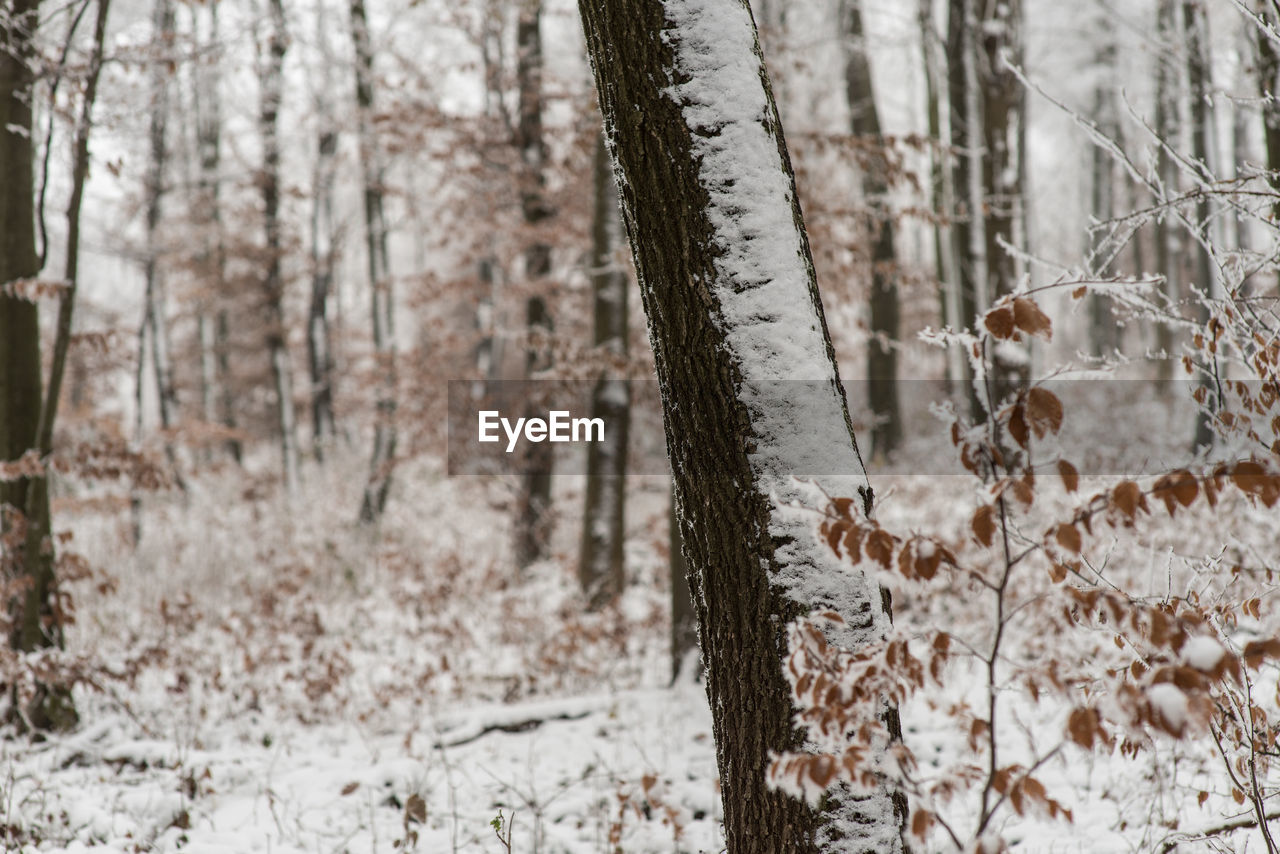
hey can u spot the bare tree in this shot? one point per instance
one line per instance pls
(748, 381)
(323, 239)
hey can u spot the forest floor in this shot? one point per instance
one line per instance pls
(268, 679)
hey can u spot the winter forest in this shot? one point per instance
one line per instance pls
(640, 426)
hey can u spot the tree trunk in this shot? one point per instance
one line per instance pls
(156, 308)
(684, 616)
(963, 126)
(999, 37)
(882, 353)
(272, 86)
(1196, 26)
(533, 520)
(381, 304)
(1103, 331)
(748, 381)
(319, 353)
(942, 197)
(1167, 122)
(600, 564)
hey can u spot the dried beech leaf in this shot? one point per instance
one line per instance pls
(1044, 412)
(1070, 477)
(984, 524)
(1000, 322)
(1028, 317)
(1068, 536)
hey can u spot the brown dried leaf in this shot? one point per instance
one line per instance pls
(1128, 498)
(1070, 477)
(1044, 412)
(1068, 536)
(1028, 317)
(983, 524)
(1000, 322)
(1018, 423)
(879, 547)
(415, 809)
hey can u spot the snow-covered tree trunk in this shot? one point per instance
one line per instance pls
(381, 300)
(271, 80)
(750, 392)
(684, 618)
(882, 354)
(600, 562)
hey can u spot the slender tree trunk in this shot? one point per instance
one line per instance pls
(600, 563)
(156, 299)
(684, 615)
(272, 88)
(533, 520)
(1269, 89)
(1196, 24)
(963, 126)
(882, 353)
(209, 144)
(1103, 332)
(319, 353)
(381, 303)
(1167, 121)
(942, 195)
(999, 37)
(727, 280)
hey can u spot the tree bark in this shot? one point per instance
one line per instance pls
(1168, 250)
(381, 303)
(319, 352)
(271, 81)
(533, 520)
(1196, 24)
(999, 39)
(964, 125)
(748, 382)
(1269, 89)
(600, 563)
(684, 616)
(882, 353)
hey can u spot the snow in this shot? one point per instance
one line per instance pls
(1170, 704)
(1202, 653)
(770, 318)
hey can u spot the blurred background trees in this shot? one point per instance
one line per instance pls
(301, 218)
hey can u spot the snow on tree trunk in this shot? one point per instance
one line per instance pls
(1167, 125)
(323, 229)
(750, 392)
(1195, 24)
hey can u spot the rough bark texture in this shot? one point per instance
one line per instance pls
(882, 354)
(381, 302)
(752, 573)
(600, 563)
(533, 519)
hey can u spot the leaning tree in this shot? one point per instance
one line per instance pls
(751, 395)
